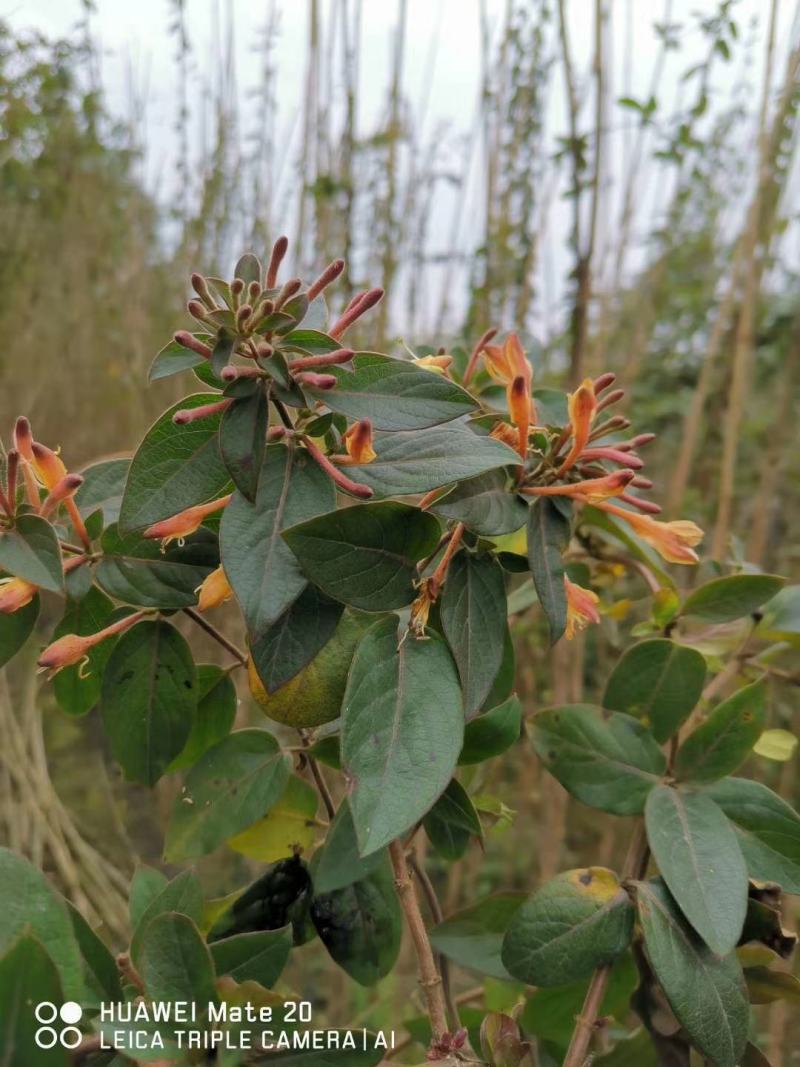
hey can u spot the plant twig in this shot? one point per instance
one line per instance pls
(428, 891)
(220, 638)
(319, 781)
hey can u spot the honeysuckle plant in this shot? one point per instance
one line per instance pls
(376, 520)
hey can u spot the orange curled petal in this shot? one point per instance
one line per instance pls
(519, 406)
(15, 593)
(358, 442)
(214, 590)
(47, 465)
(581, 607)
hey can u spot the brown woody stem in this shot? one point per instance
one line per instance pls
(220, 638)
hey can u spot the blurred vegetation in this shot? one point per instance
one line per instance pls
(679, 274)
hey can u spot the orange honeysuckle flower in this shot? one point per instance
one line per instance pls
(590, 491)
(47, 465)
(358, 442)
(581, 608)
(436, 364)
(15, 593)
(674, 541)
(214, 590)
(75, 648)
(503, 431)
(582, 407)
(508, 365)
(520, 407)
(180, 526)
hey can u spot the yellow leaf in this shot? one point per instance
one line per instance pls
(776, 745)
(516, 543)
(290, 825)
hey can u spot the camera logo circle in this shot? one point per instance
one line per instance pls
(48, 1036)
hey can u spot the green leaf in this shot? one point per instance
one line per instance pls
(398, 755)
(146, 885)
(243, 440)
(485, 505)
(77, 688)
(181, 895)
(175, 467)
(782, 615)
(255, 957)
(29, 903)
(295, 638)
(100, 969)
(765, 986)
(260, 567)
(214, 717)
(700, 860)
(492, 733)
(658, 682)
(637, 1050)
(609, 762)
(248, 268)
(229, 788)
(706, 992)
(452, 821)
(473, 614)
(576, 922)
(137, 571)
(174, 358)
(28, 977)
(30, 550)
(412, 462)
(16, 628)
(148, 699)
(176, 962)
(103, 485)
(720, 744)
(473, 937)
(725, 599)
(365, 556)
(767, 828)
(548, 536)
(361, 925)
(394, 393)
(310, 342)
(222, 351)
(338, 863)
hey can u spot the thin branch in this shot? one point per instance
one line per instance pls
(220, 638)
(429, 892)
(319, 780)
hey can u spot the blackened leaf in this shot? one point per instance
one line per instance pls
(485, 505)
(149, 696)
(473, 938)
(259, 956)
(175, 467)
(136, 570)
(338, 863)
(725, 599)
(723, 741)
(548, 537)
(658, 682)
(16, 628)
(294, 639)
(27, 977)
(768, 830)
(397, 754)
(365, 556)
(699, 858)
(576, 922)
(412, 462)
(396, 394)
(262, 570)
(243, 440)
(452, 821)
(361, 925)
(176, 962)
(706, 992)
(232, 786)
(214, 717)
(30, 550)
(289, 825)
(181, 895)
(609, 762)
(473, 614)
(492, 733)
(77, 688)
(274, 900)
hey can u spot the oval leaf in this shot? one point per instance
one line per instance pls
(255, 957)
(720, 744)
(548, 537)
(726, 599)
(452, 821)
(243, 440)
(485, 505)
(27, 977)
(338, 864)
(30, 550)
(16, 628)
(137, 571)
(176, 963)
(492, 733)
(473, 938)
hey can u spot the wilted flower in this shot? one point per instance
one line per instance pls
(214, 590)
(182, 525)
(581, 608)
(358, 442)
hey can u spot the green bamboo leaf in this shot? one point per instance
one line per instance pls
(721, 744)
(243, 440)
(366, 556)
(232, 786)
(452, 822)
(484, 504)
(767, 828)
(473, 614)
(700, 860)
(262, 570)
(473, 937)
(30, 550)
(175, 467)
(16, 628)
(705, 991)
(548, 536)
(576, 922)
(658, 682)
(726, 599)
(609, 762)
(148, 699)
(398, 755)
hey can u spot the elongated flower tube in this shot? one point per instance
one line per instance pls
(62, 491)
(582, 408)
(187, 415)
(15, 593)
(214, 590)
(180, 526)
(336, 476)
(613, 455)
(589, 491)
(508, 365)
(74, 648)
(674, 541)
(188, 340)
(581, 608)
(331, 273)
